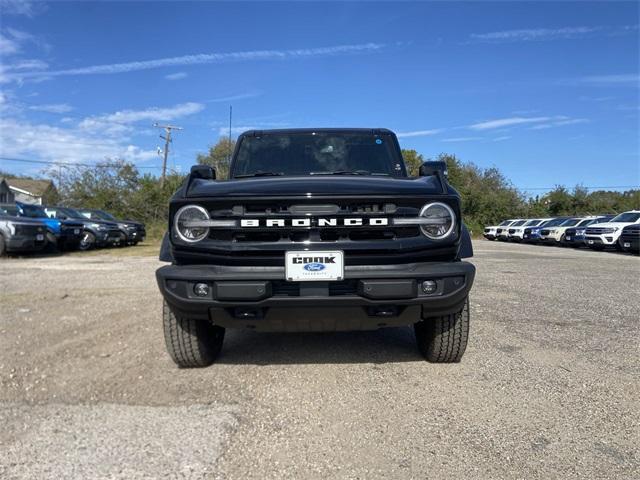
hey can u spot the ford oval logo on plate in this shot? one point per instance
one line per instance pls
(314, 267)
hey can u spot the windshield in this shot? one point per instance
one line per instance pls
(33, 211)
(571, 222)
(532, 223)
(317, 153)
(627, 217)
(11, 210)
(96, 214)
(585, 222)
(555, 222)
(69, 212)
(518, 223)
(505, 223)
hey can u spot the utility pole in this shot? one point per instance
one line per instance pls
(167, 141)
(230, 114)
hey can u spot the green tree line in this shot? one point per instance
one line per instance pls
(487, 195)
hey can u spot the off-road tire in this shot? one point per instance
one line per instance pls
(444, 339)
(191, 343)
(3, 247)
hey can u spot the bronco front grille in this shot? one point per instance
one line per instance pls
(315, 231)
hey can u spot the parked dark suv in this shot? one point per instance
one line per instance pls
(316, 230)
(133, 231)
(60, 234)
(96, 233)
(21, 234)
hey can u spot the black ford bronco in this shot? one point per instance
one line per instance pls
(315, 230)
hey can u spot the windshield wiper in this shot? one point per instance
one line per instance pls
(259, 174)
(347, 172)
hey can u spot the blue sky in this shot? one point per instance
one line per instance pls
(547, 92)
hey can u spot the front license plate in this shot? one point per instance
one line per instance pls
(39, 237)
(314, 266)
(568, 238)
(76, 231)
(590, 242)
(626, 245)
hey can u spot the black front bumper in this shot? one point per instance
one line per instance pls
(109, 237)
(370, 296)
(25, 243)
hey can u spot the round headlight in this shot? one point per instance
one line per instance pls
(186, 221)
(443, 220)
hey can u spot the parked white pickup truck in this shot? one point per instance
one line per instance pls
(601, 235)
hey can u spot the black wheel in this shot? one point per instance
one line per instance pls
(191, 343)
(3, 247)
(444, 339)
(87, 241)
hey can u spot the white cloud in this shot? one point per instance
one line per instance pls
(21, 7)
(208, 58)
(419, 133)
(88, 140)
(52, 108)
(528, 34)
(560, 123)
(462, 139)
(627, 79)
(542, 34)
(8, 46)
(24, 139)
(176, 76)
(28, 64)
(507, 122)
(232, 98)
(120, 121)
(501, 139)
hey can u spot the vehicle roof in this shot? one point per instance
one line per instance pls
(290, 131)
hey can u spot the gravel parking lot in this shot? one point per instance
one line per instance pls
(548, 388)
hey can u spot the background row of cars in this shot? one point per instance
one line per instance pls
(32, 228)
(598, 232)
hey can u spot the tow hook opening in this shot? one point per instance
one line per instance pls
(383, 311)
(247, 313)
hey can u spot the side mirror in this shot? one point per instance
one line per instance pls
(428, 169)
(206, 172)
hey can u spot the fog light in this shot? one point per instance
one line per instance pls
(429, 286)
(201, 289)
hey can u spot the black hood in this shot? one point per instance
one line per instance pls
(321, 185)
(72, 222)
(22, 220)
(88, 221)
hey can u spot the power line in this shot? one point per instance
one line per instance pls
(612, 187)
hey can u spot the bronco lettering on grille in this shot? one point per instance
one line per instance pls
(308, 222)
